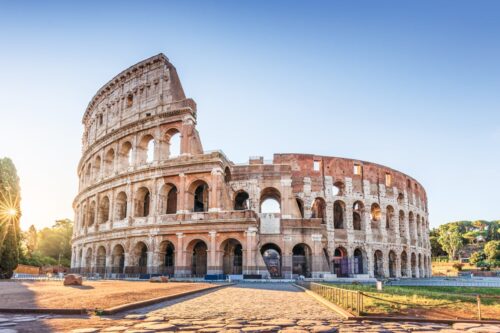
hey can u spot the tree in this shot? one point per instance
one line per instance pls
(450, 238)
(10, 213)
(55, 242)
(492, 250)
(436, 249)
(477, 257)
(493, 231)
(30, 239)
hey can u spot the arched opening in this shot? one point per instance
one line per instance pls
(340, 262)
(92, 213)
(270, 201)
(121, 206)
(378, 262)
(241, 201)
(109, 159)
(338, 188)
(142, 202)
(413, 265)
(301, 260)
(146, 149)
(401, 199)
(404, 264)
(227, 175)
(271, 253)
(80, 258)
(402, 229)
(167, 252)
(126, 155)
(97, 167)
(172, 139)
(103, 210)
(300, 206)
(232, 257)
(338, 214)
(199, 192)
(318, 209)
(420, 265)
(88, 260)
(168, 199)
(100, 262)
(389, 218)
(141, 257)
(87, 174)
(84, 216)
(357, 215)
(358, 263)
(118, 259)
(199, 259)
(411, 223)
(392, 264)
(130, 100)
(375, 215)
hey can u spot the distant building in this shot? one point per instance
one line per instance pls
(143, 209)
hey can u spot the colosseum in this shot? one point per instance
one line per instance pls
(152, 201)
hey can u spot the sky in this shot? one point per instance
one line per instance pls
(414, 85)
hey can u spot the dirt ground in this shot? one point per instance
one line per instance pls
(92, 295)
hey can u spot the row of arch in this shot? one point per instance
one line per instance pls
(147, 150)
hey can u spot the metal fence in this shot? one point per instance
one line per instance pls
(350, 300)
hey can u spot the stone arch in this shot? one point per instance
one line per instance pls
(198, 195)
(392, 264)
(84, 215)
(232, 256)
(88, 259)
(271, 253)
(241, 200)
(338, 214)
(172, 140)
(413, 265)
(402, 228)
(88, 173)
(375, 215)
(146, 149)
(420, 265)
(118, 259)
(389, 218)
(168, 199)
(359, 261)
(103, 216)
(358, 215)
(167, 258)
(404, 264)
(121, 206)
(318, 209)
(401, 199)
(140, 258)
(100, 261)
(92, 213)
(339, 188)
(142, 202)
(302, 260)
(411, 222)
(198, 251)
(270, 200)
(227, 175)
(340, 262)
(109, 159)
(125, 155)
(378, 264)
(97, 167)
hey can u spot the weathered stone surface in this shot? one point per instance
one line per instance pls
(73, 280)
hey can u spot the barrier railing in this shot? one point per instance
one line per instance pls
(350, 300)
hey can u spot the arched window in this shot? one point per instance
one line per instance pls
(227, 175)
(121, 206)
(118, 259)
(104, 210)
(146, 149)
(108, 161)
(141, 257)
(338, 188)
(172, 138)
(241, 201)
(270, 201)
(168, 199)
(401, 199)
(142, 202)
(97, 167)
(357, 215)
(402, 229)
(389, 217)
(92, 213)
(338, 214)
(198, 193)
(130, 100)
(126, 155)
(88, 173)
(319, 209)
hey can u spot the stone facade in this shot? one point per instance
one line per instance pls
(142, 208)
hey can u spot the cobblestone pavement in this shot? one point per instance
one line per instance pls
(245, 308)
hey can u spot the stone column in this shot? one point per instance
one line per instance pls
(286, 258)
(182, 195)
(212, 267)
(286, 198)
(215, 188)
(180, 256)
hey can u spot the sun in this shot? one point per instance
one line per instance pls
(11, 212)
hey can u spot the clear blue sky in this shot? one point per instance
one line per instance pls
(414, 85)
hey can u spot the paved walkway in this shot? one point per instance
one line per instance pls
(246, 308)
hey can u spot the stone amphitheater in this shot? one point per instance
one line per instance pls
(152, 201)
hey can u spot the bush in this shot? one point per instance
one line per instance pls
(492, 250)
(458, 266)
(477, 257)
